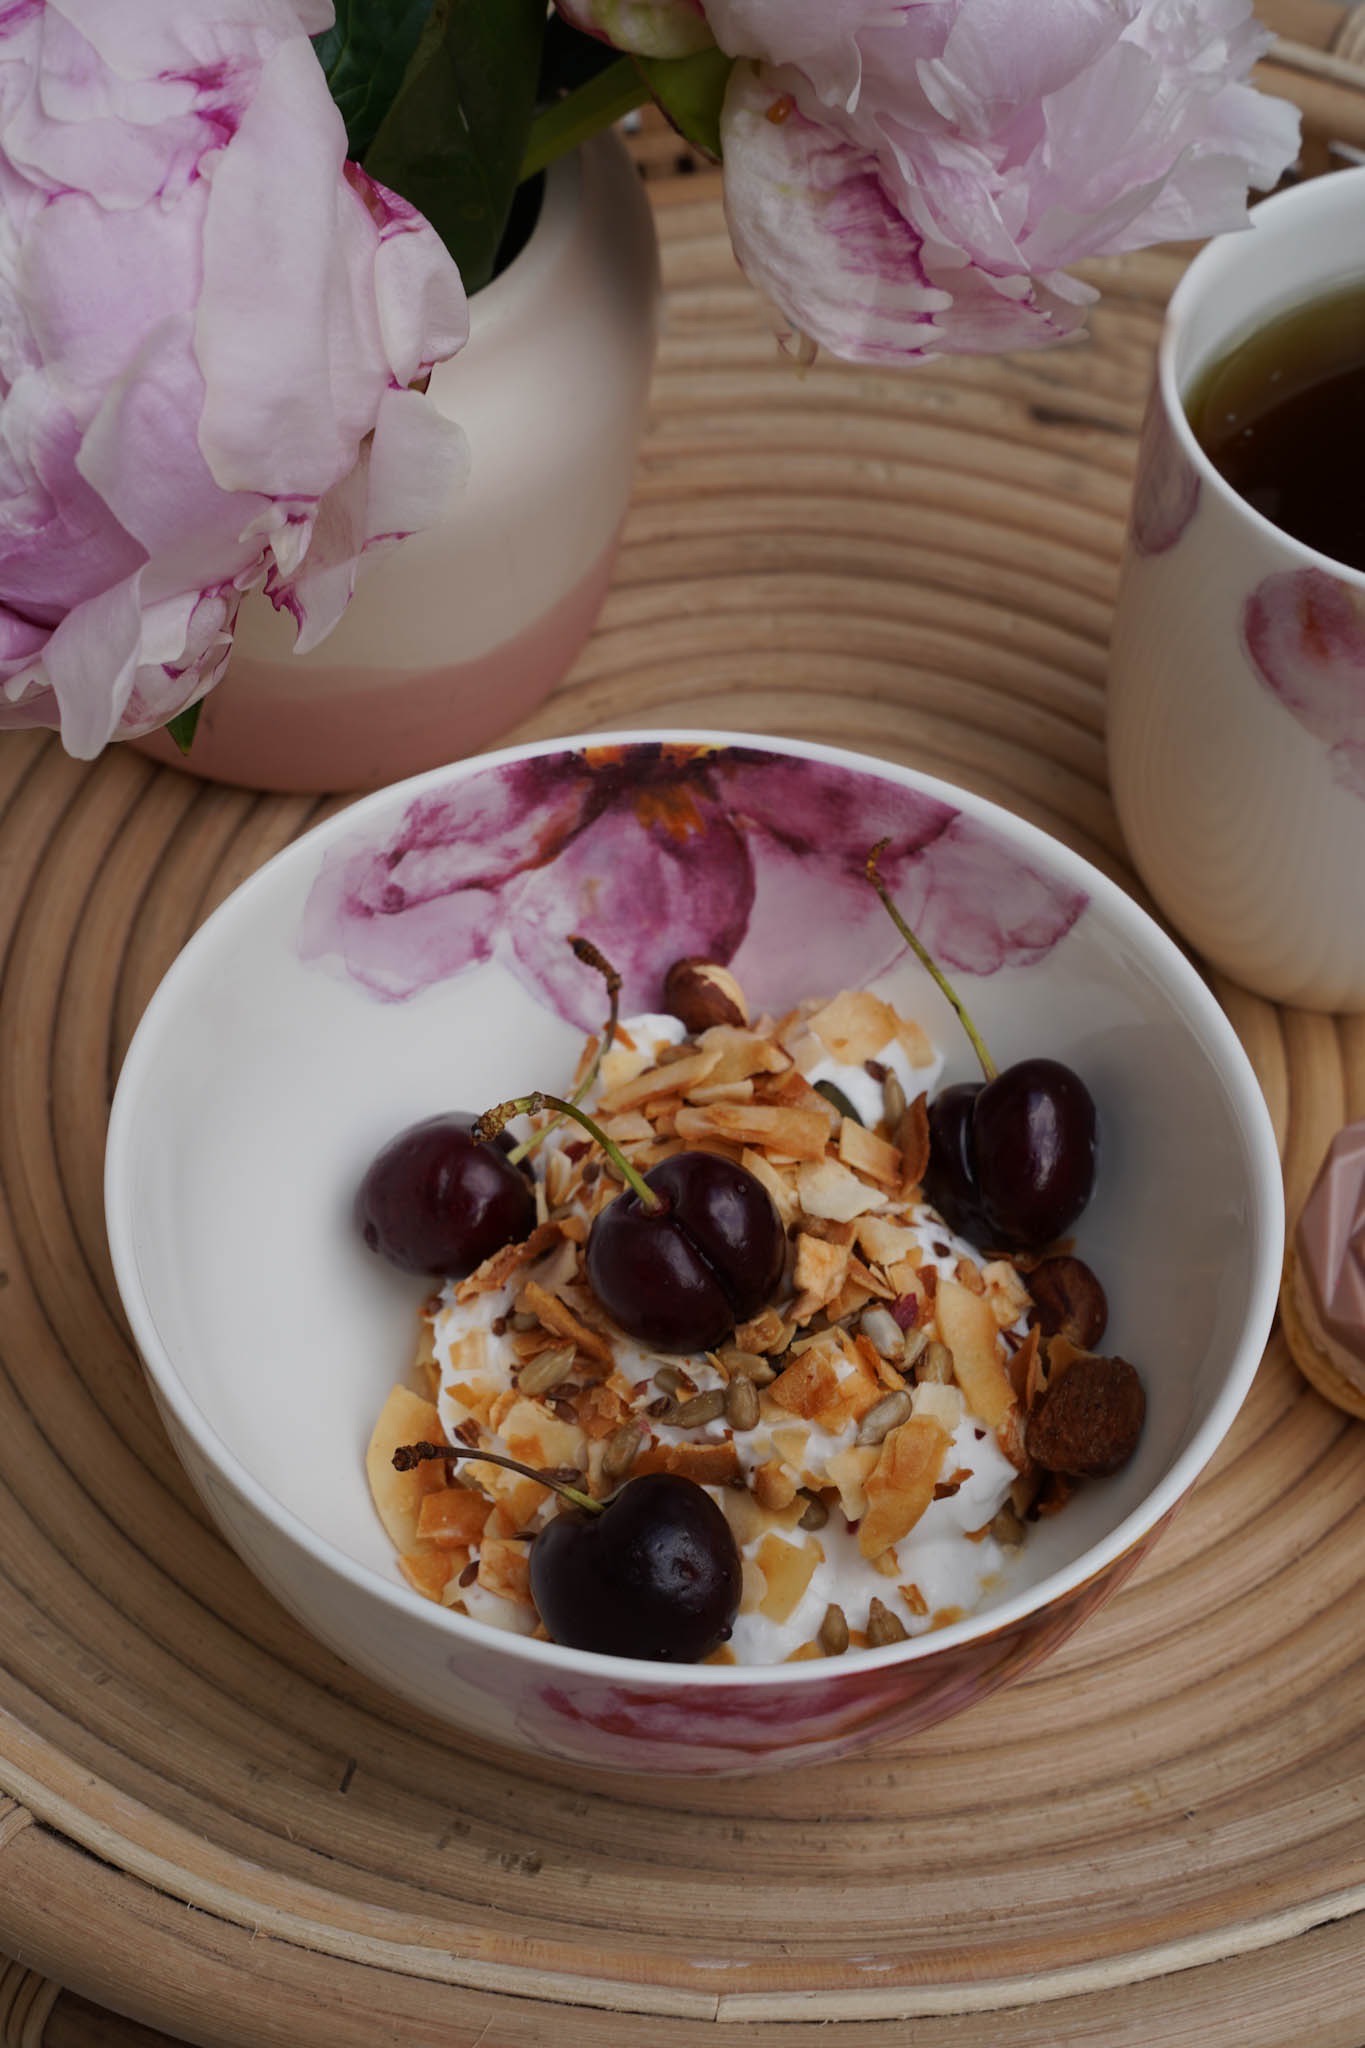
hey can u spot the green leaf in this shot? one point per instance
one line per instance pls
(182, 727)
(365, 56)
(691, 91)
(561, 126)
(453, 140)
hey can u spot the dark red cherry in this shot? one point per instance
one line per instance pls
(435, 1202)
(1033, 1146)
(679, 1277)
(655, 1575)
(950, 1177)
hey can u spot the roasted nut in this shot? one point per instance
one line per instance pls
(1069, 1300)
(1088, 1422)
(700, 994)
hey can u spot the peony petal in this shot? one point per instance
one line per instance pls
(289, 344)
(91, 663)
(813, 227)
(423, 311)
(819, 37)
(660, 874)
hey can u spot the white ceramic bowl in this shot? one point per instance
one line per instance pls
(408, 956)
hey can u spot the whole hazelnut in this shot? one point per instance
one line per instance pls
(700, 994)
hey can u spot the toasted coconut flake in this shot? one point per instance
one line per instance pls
(820, 1267)
(674, 1079)
(946, 1406)
(426, 1569)
(855, 1026)
(453, 1518)
(912, 1139)
(827, 1189)
(505, 1569)
(761, 1335)
(739, 1055)
(788, 1569)
(556, 1315)
(781, 1186)
(885, 1242)
(1005, 1291)
(708, 1464)
(498, 1268)
(789, 1133)
(866, 1153)
(914, 1600)
(809, 1384)
(721, 1091)
(1023, 1365)
(969, 1330)
(849, 1471)
(901, 1483)
(405, 1418)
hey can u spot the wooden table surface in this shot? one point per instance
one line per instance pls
(211, 1825)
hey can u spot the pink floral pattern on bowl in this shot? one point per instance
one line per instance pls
(1166, 492)
(657, 851)
(1305, 636)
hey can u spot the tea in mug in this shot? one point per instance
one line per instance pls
(1282, 417)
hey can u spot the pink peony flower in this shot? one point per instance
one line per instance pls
(907, 178)
(209, 327)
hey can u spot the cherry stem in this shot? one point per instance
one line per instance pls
(585, 951)
(922, 954)
(493, 1120)
(409, 1456)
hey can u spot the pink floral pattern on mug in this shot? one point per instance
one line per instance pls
(656, 852)
(1166, 493)
(1305, 636)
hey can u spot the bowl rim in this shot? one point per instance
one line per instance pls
(1180, 979)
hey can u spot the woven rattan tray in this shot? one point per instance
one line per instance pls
(213, 1826)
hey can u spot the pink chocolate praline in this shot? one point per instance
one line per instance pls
(1330, 1242)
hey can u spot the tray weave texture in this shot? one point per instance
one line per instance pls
(210, 1824)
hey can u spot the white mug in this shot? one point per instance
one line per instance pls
(1237, 675)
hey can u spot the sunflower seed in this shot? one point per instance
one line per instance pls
(880, 1327)
(701, 1408)
(884, 1627)
(741, 1404)
(668, 1379)
(916, 1341)
(888, 1414)
(833, 1636)
(547, 1370)
(665, 1409)
(894, 1104)
(522, 1321)
(623, 1447)
(816, 1514)
(936, 1364)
